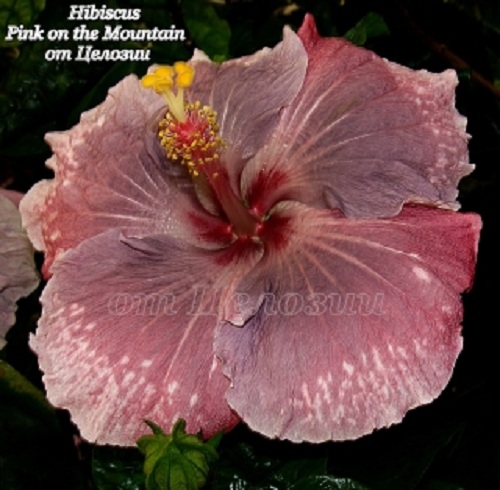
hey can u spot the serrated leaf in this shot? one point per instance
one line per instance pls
(17, 12)
(371, 25)
(176, 461)
(210, 33)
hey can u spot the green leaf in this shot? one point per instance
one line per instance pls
(210, 33)
(371, 25)
(117, 468)
(17, 12)
(296, 471)
(15, 386)
(400, 457)
(34, 451)
(485, 12)
(178, 461)
(248, 461)
(327, 482)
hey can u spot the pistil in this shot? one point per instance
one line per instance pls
(245, 224)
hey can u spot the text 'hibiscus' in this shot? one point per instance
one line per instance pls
(273, 239)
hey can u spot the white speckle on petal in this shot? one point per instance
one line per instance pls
(146, 363)
(213, 367)
(90, 326)
(418, 348)
(125, 360)
(150, 389)
(344, 387)
(172, 387)
(76, 309)
(128, 378)
(348, 368)
(385, 391)
(338, 413)
(193, 400)
(363, 359)
(326, 390)
(305, 394)
(402, 352)
(376, 359)
(421, 274)
(59, 312)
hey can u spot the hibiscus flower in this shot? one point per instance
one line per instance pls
(272, 239)
(18, 276)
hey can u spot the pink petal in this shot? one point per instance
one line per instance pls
(18, 276)
(110, 172)
(364, 324)
(364, 135)
(249, 93)
(127, 334)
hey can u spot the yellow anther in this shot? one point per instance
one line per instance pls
(185, 74)
(160, 80)
(164, 72)
(148, 81)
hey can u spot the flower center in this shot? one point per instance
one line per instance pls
(195, 141)
(190, 135)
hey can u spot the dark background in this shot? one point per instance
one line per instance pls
(449, 445)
